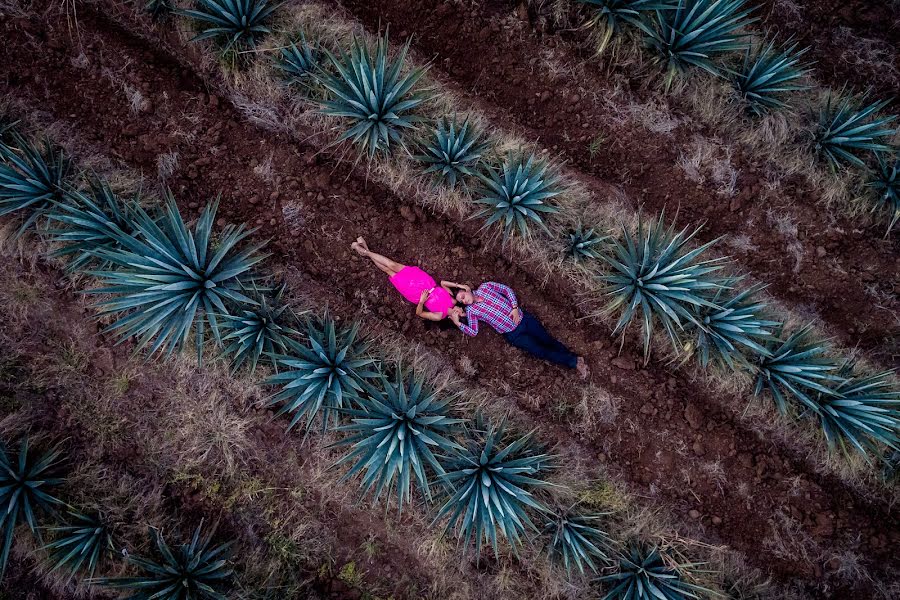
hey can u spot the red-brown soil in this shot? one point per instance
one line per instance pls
(264, 178)
(492, 52)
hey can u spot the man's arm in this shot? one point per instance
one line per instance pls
(470, 329)
(503, 290)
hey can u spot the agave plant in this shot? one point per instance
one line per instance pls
(395, 434)
(195, 571)
(259, 329)
(861, 412)
(80, 545)
(31, 180)
(516, 195)
(493, 482)
(159, 9)
(583, 244)
(732, 326)
(697, 31)
(885, 182)
(768, 73)
(890, 469)
(453, 150)
(26, 486)
(846, 128)
(611, 15)
(796, 367)
(644, 574)
(655, 274)
(237, 23)
(575, 540)
(89, 223)
(299, 61)
(319, 375)
(171, 281)
(373, 94)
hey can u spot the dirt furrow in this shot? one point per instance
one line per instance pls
(821, 265)
(668, 439)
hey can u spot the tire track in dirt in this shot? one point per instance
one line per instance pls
(211, 143)
(496, 57)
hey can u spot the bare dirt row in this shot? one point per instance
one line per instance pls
(822, 265)
(143, 107)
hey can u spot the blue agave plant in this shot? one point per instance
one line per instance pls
(26, 486)
(236, 23)
(395, 434)
(644, 574)
(195, 571)
(846, 129)
(90, 222)
(159, 9)
(318, 375)
(575, 540)
(453, 150)
(697, 31)
(611, 15)
(657, 277)
(516, 196)
(373, 94)
(81, 544)
(885, 183)
(769, 73)
(31, 180)
(170, 281)
(493, 482)
(583, 244)
(798, 368)
(734, 325)
(257, 330)
(299, 61)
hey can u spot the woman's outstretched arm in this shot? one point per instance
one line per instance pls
(447, 285)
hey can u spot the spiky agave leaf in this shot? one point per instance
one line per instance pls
(734, 325)
(395, 434)
(452, 150)
(768, 73)
(195, 571)
(796, 367)
(170, 280)
(493, 483)
(299, 61)
(611, 15)
(31, 180)
(643, 574)
(890, 469)
(885, 183)
(517, 194)
(372, 93)
(657, 274)
(583, 244)
(575, 540)
(26, 486)
(88, 223)
(237, 23)
(259, 329)
(697, 31)
(81, 544)
(846, 128)
(862, 412)
(159, 9)
(318, 375)
(7, 128)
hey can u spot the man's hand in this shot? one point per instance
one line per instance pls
(516, 315)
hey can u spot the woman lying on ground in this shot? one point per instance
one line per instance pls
(433, 303)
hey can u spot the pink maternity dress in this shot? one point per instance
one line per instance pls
(412, 281)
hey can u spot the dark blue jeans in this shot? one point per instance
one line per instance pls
(531, 337)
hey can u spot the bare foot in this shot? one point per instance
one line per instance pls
(359, 248)
(362, 242)
(584, 371)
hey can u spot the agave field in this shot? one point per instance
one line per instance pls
(206, 394)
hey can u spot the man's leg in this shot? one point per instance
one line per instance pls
(537, 329)
(523, 338)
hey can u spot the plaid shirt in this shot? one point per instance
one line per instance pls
(493, 304)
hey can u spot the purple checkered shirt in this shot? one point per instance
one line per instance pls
(493, 305)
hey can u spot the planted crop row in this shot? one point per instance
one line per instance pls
(654, 278)
(165, 285)
(682, 35)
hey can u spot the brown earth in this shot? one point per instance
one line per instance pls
(496, 58)
(312, 209)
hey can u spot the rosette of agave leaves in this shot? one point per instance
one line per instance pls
(235, 24)
(611, 16)
(644, 573)
(848, 128)
(452, 150)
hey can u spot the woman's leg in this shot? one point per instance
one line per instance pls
(384, 263)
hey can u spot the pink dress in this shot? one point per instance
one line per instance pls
(412, 281)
